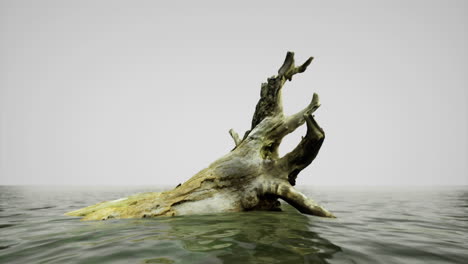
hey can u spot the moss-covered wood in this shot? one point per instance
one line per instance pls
(250, 177)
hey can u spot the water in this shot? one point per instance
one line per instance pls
(374, 225)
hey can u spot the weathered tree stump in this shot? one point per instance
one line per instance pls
(252, 176)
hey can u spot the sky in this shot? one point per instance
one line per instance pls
(145, 92)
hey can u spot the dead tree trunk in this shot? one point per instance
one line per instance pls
(250, 177)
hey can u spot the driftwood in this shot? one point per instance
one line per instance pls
(251, 176)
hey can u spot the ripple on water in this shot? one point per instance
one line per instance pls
(364, 232)
(40, 208)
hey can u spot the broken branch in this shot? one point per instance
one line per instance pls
(297, 199)
(235, 137)
(288, 69)
(305, 152)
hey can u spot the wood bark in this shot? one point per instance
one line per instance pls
(252, 176)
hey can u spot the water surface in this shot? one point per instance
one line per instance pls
(374, 225)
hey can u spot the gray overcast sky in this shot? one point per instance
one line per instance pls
(144, 92)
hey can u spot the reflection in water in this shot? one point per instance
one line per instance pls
(259, 237)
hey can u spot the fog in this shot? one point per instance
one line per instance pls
(144, 92)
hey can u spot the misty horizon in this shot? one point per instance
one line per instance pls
(100, 94)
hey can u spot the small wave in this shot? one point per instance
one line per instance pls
(7, 246)
(40, 208)
(6, 225)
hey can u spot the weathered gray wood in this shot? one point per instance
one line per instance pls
(250, 177)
